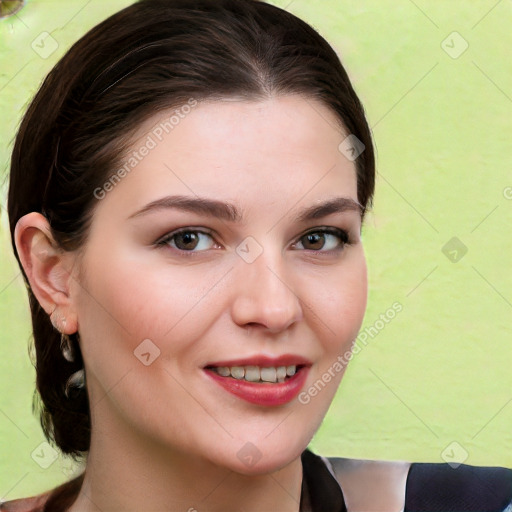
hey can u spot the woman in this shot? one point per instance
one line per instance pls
(186, 199)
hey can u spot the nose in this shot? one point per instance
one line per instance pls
(265, 295)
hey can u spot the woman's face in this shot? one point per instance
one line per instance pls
(169, 323)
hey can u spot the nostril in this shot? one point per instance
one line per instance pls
(10, 7)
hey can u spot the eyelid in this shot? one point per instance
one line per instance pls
(163, 240)
(176, 231)
(342, 234)
(327, 229)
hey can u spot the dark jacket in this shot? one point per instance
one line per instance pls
(428, 488)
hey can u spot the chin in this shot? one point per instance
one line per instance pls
(265, 466)
(256, 460)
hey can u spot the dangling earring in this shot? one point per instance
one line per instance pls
(65, 343)
(77, 380)
(66, 348)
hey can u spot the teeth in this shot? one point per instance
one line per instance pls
(257, 374)
(281, 373)
(252, 373)
(269, 374)
(224, 371)
(237, 372)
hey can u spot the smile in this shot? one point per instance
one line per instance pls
(256, 373)
(265, 381)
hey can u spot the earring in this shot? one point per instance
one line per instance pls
(66, 348)
(60, 322)
(77, 380)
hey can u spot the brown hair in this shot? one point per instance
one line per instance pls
(150, 56)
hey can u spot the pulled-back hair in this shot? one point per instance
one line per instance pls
(151, 56)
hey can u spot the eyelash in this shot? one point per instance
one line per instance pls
(340, 233)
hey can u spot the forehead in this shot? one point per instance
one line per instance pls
(279, 147)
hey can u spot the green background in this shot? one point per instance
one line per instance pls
(435, 383)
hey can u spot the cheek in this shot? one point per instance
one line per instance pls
(130, 301)
(339, 310)
(340, 303)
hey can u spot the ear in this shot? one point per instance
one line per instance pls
(47, 267)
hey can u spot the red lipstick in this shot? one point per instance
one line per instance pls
(262, 393)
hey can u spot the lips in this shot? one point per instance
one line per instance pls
(261, 380)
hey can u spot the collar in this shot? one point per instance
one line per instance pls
(320, 490)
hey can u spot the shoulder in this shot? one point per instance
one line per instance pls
(423, 487)
(32, 504)
(440, 487)
(371, 485)
(55, 500)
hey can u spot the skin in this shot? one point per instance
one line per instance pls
(165, 436)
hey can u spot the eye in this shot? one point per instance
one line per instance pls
(192, 241)
(187, 240)
(324, 240)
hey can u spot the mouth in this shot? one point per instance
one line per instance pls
(252, 373)
(265, 381)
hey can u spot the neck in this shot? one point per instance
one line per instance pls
(127, 473)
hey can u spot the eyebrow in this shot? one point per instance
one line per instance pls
(229, 212)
